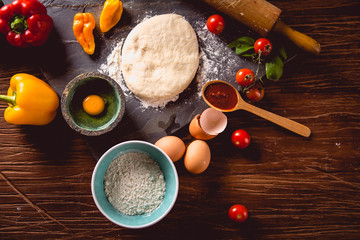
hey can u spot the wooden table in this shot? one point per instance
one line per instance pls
(293, 187)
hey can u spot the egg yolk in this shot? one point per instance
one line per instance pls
(93, 105)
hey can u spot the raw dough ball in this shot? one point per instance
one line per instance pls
(160, 58)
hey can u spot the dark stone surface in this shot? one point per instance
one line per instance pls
(65, 59)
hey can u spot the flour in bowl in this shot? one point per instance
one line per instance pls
(134, 184)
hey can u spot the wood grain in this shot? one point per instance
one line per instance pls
(259, 15)
(293, 187)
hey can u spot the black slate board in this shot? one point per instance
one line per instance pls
(65, 59)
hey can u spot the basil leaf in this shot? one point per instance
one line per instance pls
(242, 45)
(246, 40)
(274, 68)
(282, 53)
(242, 49)
(232, 44)
(242, 41)
(248, 55)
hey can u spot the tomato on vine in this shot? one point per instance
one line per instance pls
(238, 213)
(263, 46)
(215, 24)
(255, 93)
(245, 77)
(240, 138)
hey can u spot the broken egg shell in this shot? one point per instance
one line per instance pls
(208, 125)
(173, 146)
(197, 157)
(196, 131)
(213, 121)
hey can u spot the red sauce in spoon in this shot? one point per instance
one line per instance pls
(221, 95)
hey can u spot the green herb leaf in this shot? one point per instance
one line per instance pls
(242, 49)
(274, 68)
(242, 41)
(282, 53)
(242, 45)
(232, 44)
(248, 55)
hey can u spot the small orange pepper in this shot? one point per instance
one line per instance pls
(83, 26)
(110, 15)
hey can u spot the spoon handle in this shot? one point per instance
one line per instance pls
(279, 120)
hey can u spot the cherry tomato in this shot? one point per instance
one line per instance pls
(215, 24)
(263, 45)
(240, 138)
(245, 77)
(238, 213)
(255, 93)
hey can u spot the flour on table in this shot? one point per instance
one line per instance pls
(217, 60)
(112, 66)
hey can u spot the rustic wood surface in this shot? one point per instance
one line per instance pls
(293, 187)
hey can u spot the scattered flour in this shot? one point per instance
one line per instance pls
(134, 184)
(112, 66)
(216, 61)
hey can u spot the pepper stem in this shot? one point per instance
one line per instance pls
(8, 99)
(18, 24)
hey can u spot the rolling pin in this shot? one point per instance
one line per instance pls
(263, 17)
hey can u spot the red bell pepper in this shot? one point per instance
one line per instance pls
(25, 23)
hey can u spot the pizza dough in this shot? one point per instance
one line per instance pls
(160, 58)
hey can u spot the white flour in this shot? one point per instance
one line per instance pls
(112, 66)
(216, 62)
(134, 184)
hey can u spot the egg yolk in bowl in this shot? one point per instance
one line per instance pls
(93, 105)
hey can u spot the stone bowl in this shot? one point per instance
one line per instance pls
(87, 84)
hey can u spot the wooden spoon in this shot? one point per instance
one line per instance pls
(241, 104)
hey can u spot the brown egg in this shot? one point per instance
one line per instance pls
(197, 157)
(173, 146)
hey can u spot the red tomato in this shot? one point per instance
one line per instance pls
(255, 93)
(263, 46)
(245, 77)
(238, 213)
(240, 138)
(215, 24)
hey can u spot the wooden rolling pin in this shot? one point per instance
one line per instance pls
(263, 17)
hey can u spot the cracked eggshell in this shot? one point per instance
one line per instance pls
(173, 146)
(197, 157)
(213, 121)
(196, 131)
(208, 125)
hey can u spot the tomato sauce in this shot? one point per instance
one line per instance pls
(221, 95)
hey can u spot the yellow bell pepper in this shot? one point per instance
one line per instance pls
(31, 101)
(83, 26)
(110, 15)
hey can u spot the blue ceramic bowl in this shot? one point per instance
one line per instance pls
(137, 221)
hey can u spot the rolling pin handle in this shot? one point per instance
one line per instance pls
(299, 39)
